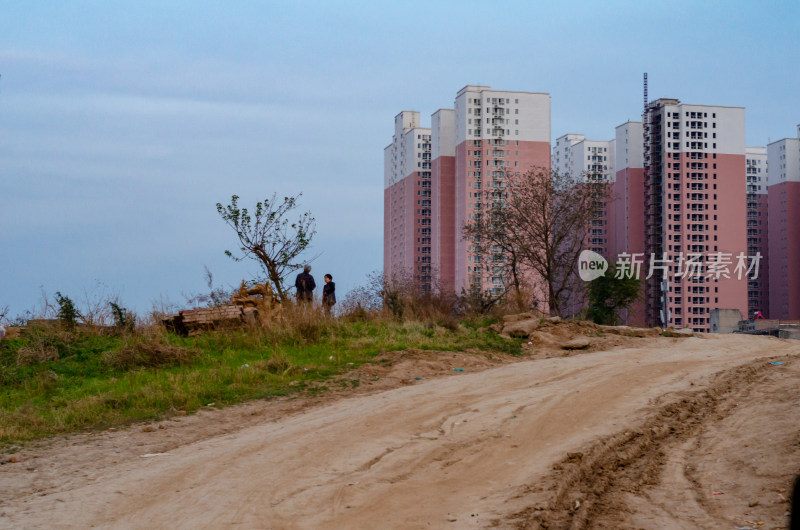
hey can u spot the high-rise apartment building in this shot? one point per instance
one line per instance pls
(563, 159)
(757, 229)
(488, 137)
(695, 210)
(498, 134)
(407, 201)
(626, 210)
(588, 160)
(783, 183)
(443, 226)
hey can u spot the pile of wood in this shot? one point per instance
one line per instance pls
(248, 307)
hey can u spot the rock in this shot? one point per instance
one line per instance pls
(496, 327)
(576, 344)
(682, 332)
(753, 503)
(553, 319)
(14, 460)
(517, 317)
(521, 328)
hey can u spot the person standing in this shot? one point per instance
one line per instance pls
(305, 285)
(328, 294)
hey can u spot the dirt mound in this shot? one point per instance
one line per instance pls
(557, 337)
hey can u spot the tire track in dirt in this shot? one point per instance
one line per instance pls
(588, 488)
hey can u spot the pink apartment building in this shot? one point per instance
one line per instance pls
(498, 135)
(443, 135)
(475, 147)
(626, 210)
(407, 201)
(695, 204)
(783, 183)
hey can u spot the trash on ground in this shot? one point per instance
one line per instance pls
(151, 455)
(777, 362)
(458, 369)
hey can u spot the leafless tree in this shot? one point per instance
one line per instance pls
(269, 237)
(489, 235)
(540, 225)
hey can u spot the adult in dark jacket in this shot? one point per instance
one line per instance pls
(305, 285)
(328, 294)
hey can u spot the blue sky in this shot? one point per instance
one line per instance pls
(123, 123)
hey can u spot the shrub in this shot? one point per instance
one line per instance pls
(67, 313)
(280, 364)
(36, 353)
(124, 320)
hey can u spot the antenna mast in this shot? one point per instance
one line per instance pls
(645, 90)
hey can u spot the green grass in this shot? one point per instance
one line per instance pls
(88, 388)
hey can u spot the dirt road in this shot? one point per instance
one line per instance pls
(669, 433)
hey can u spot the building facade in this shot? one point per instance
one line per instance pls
(783, 192)
(443, 225)
(757, 229)
(695, 211)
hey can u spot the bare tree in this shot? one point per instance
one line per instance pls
(490, 238)
(549, 216)
(269, 237)
(540, 225)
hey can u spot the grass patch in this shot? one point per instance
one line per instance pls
(56, 382)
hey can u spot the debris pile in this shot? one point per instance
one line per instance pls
(566, 334)
(257, 305)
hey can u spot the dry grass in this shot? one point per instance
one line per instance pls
(36, 353)
(149, 354)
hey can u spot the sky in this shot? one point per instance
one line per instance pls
(122, 124)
